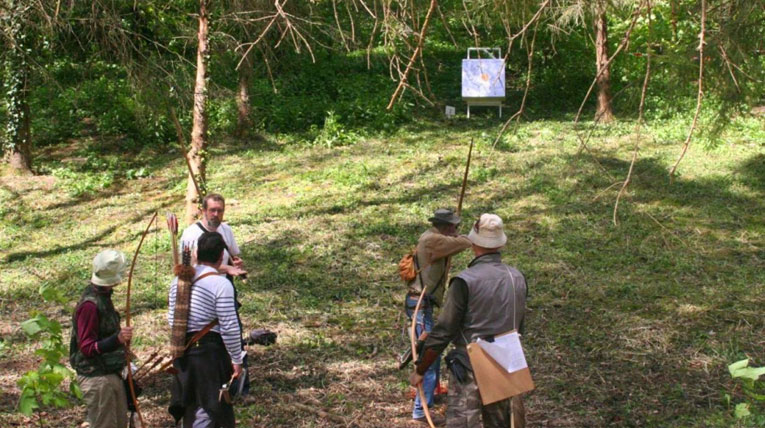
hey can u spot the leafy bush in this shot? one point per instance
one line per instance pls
(43, 387)
(106, 105)
(332, 134)
(752, 389)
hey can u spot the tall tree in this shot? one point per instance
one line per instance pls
(18, 139)
(604, 110)
(577, 12)
(197, 153)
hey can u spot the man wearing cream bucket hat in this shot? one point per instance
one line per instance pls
(486, 299)
(96, 349)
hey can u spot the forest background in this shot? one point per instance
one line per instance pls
(322, 122)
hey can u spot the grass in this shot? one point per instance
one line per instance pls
(629, 325)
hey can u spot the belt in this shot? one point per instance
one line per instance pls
(211, 338)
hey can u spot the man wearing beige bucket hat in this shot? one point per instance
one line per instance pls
(96, 348)
(486, 299)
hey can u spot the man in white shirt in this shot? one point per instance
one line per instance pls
(213, 208)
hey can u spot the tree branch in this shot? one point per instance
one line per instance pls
(700, 93)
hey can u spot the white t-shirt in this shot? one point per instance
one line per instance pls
(192, 233)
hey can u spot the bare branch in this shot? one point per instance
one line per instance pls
(517, 115)
(641, 107)
(700, 93)
(416, 53)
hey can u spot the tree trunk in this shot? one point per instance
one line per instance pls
(243, 97)
(17, 147)
(604, 111)
(673, 14)
(197, 154)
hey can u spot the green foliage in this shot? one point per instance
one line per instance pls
(342, 84)
(332, 134)
(106, 105)
(78, 183)
(42, 388)
(752, 388)
(16, 73)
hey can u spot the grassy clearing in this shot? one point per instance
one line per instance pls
(630, 325)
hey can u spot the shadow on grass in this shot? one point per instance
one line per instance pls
(753, 173)
(95, 240)
(628, 323)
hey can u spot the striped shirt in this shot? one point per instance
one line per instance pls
(212, 297)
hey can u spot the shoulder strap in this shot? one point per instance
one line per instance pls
(224, 239)
(419, 273)
(205, 275)
(515, 301)
(201, 333)
(438, 284)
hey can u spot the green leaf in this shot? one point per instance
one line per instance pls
(74, 388)
(51, 293)
(742, 369)
(738, 365)
(742, 410)
(31, 327)
(27, 403)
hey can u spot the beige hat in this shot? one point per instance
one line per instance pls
(488, 232)
(108, 268)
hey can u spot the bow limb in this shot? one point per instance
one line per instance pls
(459, 204)
(127, 319)
(423, 399)
(464, 179)
(132, 268)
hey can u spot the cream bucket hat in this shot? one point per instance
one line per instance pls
(108, 268)
(488, 232)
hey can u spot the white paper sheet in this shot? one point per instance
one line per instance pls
(506, 351)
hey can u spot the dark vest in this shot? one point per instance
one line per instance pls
(108, 324)
(496, 298)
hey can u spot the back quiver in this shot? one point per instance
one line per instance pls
(185, 276)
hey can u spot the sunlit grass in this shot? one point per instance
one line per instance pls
(629, 325)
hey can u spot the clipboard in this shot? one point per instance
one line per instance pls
(494, 382)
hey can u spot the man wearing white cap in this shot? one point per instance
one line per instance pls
(96, 349)
(486, 299)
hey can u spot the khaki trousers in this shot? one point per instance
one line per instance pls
(105, 399)
(465, 409)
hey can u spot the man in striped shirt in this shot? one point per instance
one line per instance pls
(211, 361)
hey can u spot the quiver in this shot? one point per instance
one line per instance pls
(185, 276)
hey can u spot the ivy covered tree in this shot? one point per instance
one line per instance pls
(17, 139)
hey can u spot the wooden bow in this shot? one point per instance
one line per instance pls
(127, 320)
(412, 336)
